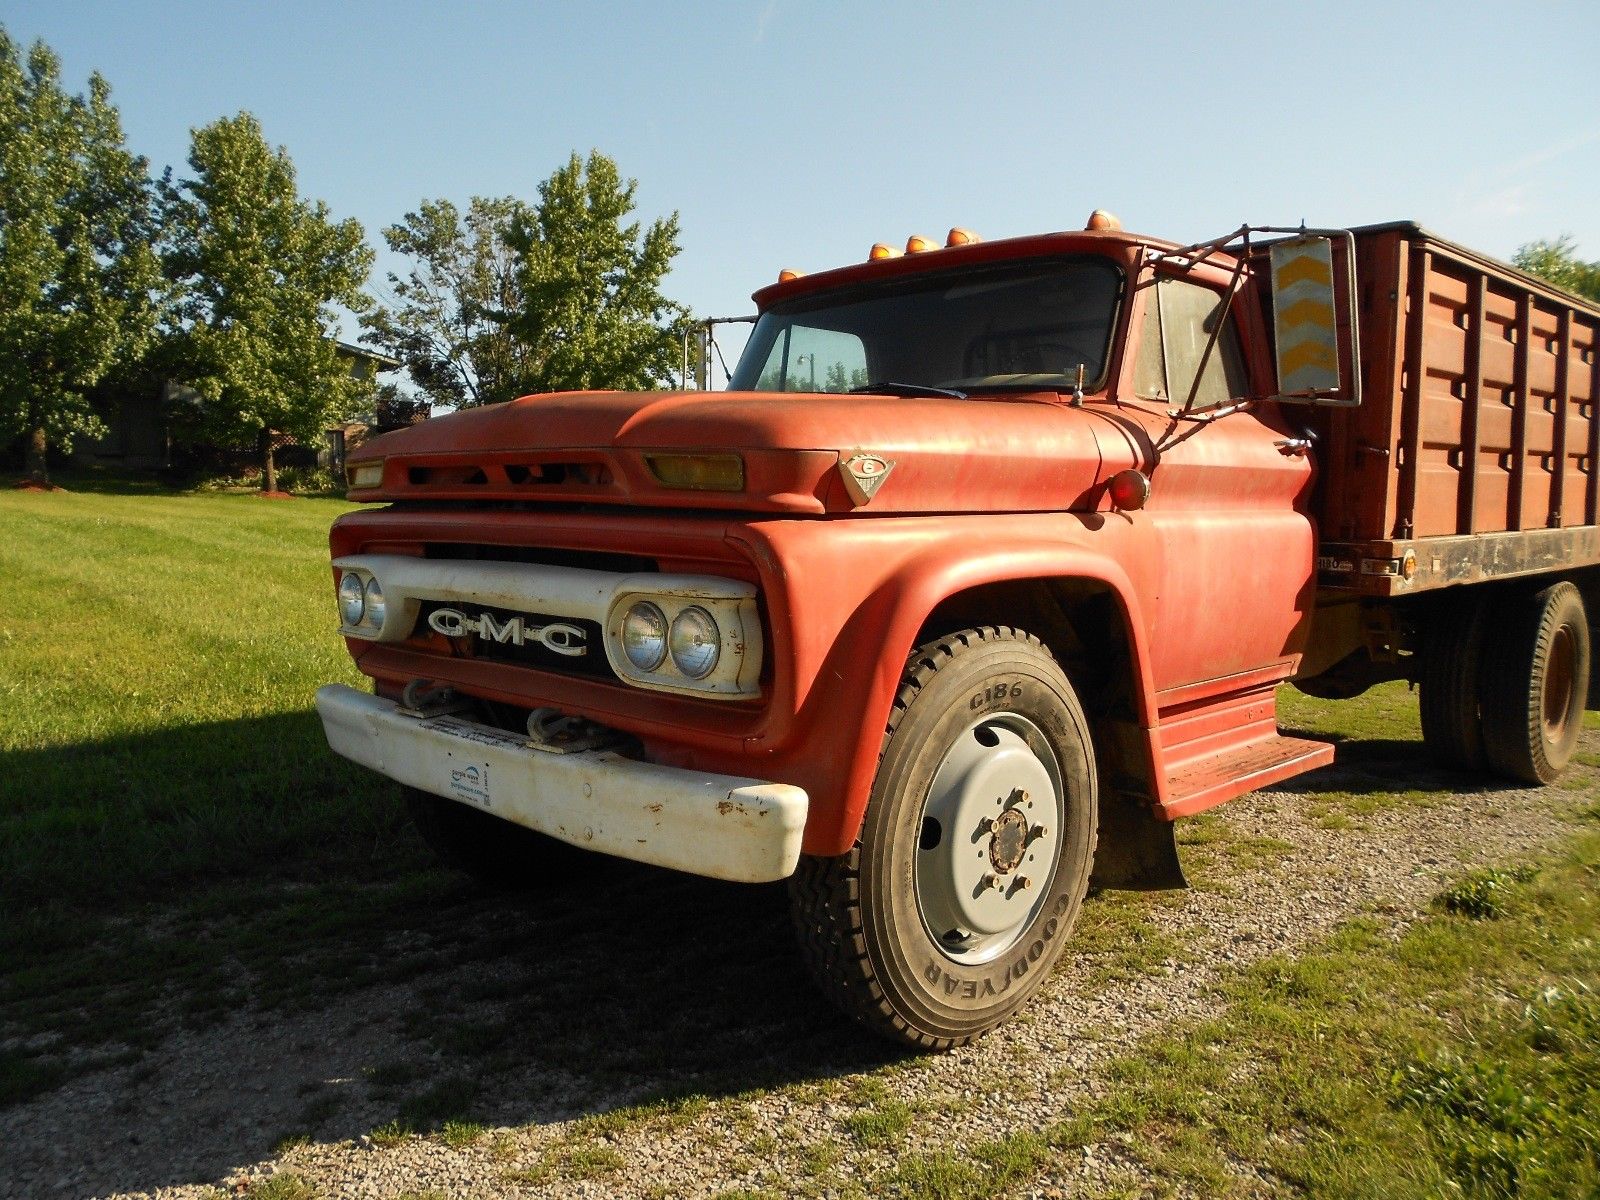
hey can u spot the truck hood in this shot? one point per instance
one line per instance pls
(1016, 453)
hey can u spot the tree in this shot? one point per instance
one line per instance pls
(592, 314)
(77, 265)
(449, 324)
(520, 298)
(1558, 262)
(257, 272)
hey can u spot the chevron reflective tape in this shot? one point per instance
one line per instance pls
(1303, 316)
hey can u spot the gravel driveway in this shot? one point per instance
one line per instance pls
(542, 1017)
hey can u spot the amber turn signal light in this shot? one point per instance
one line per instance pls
(787, 274)
(1100, 219)
(917, 244)
(961, 237)
(880, 250)
(698, 472)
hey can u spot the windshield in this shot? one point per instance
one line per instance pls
(1010, 325)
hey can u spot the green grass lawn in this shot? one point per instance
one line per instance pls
(158, 656)
(159, 750)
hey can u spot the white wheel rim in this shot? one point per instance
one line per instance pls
(989, 838)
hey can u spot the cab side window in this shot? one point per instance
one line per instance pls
(1178, 322)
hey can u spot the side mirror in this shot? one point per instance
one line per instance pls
(1305, 316)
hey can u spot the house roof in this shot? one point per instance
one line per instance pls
(384, 362)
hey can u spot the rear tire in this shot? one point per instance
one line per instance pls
(1535, 678)
(974, 855)
(493, 851)
(1452, 657)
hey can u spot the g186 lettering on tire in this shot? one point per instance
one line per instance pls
(974, 856)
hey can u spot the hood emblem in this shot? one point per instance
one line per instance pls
(864, 475)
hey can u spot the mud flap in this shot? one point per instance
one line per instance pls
(1138, 851)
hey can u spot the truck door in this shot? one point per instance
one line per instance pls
(1233, 548)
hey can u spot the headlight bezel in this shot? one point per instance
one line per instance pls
(731, 609)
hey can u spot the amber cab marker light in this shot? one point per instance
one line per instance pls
(1101, 220)
(788, 274)
(880, 250)
(961, 237)
(917, 244)
(1130, 490)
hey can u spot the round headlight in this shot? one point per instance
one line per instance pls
(644, 636)
(696, 642)
(352, 604)
(374, 597)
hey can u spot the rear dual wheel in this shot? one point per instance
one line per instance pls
(1504, 679)
(1535, 682)
(974, 855)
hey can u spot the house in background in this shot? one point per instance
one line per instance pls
(138, 434)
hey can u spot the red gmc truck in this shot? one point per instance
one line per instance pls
(983, 571)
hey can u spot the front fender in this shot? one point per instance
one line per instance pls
(850, 638)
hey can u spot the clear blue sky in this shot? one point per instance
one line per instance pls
(790, 134)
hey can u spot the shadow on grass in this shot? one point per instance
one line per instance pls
(292, 964)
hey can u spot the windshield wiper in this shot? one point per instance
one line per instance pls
(906, 389)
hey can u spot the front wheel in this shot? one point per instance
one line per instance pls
(975, 852)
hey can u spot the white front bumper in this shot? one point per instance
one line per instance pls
(722, 826)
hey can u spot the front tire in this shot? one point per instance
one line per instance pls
(1534, 682)
(975, 853)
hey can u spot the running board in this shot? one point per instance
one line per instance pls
(1204, 782)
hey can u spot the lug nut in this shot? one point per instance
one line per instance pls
(1024, 883)
(1037, 832)
(991, 882)
(985, 824)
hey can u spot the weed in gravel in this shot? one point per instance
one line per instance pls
(879, 1125)
(290, 1141)
(282, 1187)
(458, 1135)
(1483, 894)
(743, 1194)
(939, 1175)
(818, 1157)
(390, 1134)
(590, 1162)
(1333, 820)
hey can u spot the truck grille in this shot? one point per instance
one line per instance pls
(523, 639)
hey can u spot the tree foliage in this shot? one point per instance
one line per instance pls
(257, 271)
(561, 294)
(448, 325)
(78, 272)
(1558, 262)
